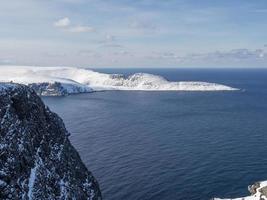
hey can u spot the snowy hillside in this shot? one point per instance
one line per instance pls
(69, 80)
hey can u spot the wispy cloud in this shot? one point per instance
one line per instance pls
(145, 32)
(261, 10)
(112, 45)
(62, 23)
(65, 24)
(81, 29)
(142, 25)
(107, 39)
(6, 61)
(110, 38)
(234, 55)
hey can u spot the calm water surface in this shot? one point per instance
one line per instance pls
(172, 145)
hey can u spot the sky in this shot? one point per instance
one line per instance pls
(134, 33)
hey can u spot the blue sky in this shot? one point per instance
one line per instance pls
(134, 33)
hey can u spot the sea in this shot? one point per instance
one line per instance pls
(143, 145)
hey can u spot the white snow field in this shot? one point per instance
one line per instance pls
(260, 193)
(78, 80)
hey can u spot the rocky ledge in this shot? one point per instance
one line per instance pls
(258, 192)
(37, 160)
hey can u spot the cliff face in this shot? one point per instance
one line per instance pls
(58, 89)
(49, 89)
(37, 160)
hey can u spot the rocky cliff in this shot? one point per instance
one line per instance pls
(37, 160)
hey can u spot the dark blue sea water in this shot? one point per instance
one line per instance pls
(172, 145)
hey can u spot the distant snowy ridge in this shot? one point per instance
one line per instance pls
(258, 192)
(69, 80)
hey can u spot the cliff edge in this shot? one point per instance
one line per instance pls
(37, 160)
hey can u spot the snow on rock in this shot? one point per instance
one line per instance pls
(258, 192)
(37, 160)
(69, 80)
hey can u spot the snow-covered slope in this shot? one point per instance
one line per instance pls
(258, 192)
(77, 80)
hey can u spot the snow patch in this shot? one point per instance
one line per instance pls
(31, 181)
(257, 196)
(63, 190)
(32, 177)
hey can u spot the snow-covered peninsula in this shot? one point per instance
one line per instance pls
(70, 80)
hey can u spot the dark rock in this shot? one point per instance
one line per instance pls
(49, 89)
(37, 160)
(253, 188)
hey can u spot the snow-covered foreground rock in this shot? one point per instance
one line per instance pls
(37, 160)
(258, 192)
(69, 80)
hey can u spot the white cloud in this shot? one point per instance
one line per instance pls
(65, 24)
(62, 23)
